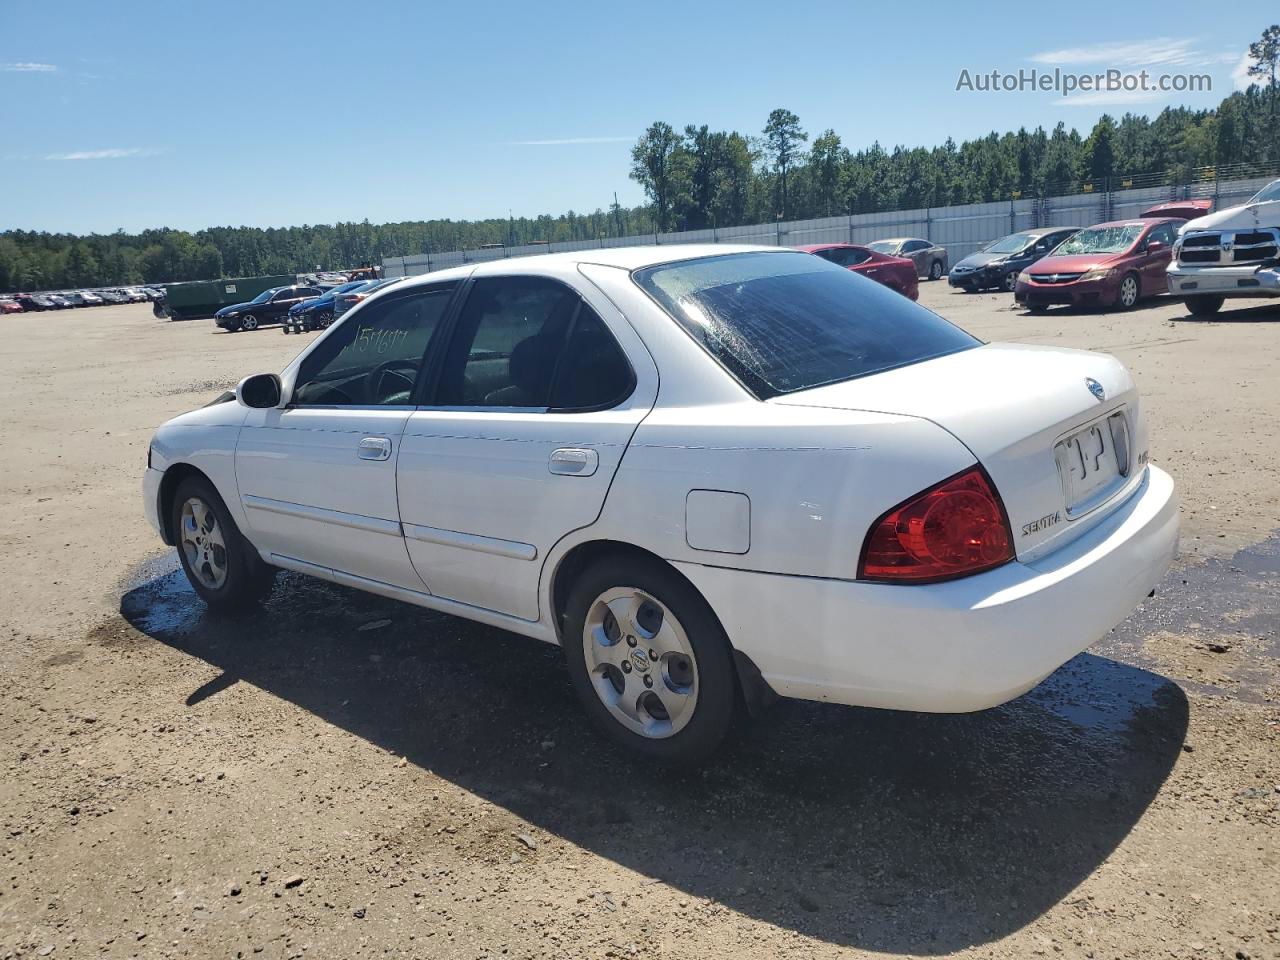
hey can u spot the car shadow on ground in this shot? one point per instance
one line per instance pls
(893, 832)
(1145, 305)
(1267, 313)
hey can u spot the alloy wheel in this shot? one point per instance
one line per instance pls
(203, 543)
(640, 662)
(1128, 292)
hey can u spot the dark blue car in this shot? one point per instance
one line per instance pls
(317, 313)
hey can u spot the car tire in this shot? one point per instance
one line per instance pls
(1128, 293)
(659, 678)
(223, 568)
(935, 270)
(1205, 305)
(249, 323)
(1009, 282)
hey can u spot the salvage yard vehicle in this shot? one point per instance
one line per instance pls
(317, 313)
(896, 273)
(998, 264)
(1108, 265)
(270, 306)
(345, 301)
(1231, 253)
(197, 299)
(929, 258)
(828, 492)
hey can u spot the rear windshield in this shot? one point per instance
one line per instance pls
(782, 322)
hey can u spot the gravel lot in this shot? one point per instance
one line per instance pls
(316, 782)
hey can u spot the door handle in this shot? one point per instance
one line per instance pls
(374, 448)
(574, 461)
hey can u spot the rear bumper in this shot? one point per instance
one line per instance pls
(1245, 281)
(948, 647)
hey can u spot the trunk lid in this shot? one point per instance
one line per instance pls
(1183, 209)
(1028, 414)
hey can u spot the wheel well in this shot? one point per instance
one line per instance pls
(583, 556)
(168, 484)
(755, 691)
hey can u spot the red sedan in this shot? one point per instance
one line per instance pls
(896, 273)
(1108, 265)
(1111, 264)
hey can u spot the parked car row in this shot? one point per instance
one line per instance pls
(1108, 265)
(67, 299)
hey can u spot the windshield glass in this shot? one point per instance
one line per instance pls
(782, 322)
(265, 295)
(1010, 244)
(1269, 192)
(884, 246)
(1101, 240)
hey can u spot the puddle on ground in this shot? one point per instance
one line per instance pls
(1235, 600)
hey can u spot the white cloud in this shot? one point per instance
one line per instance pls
(1167, 51)
(1240, 78)
(1110, 98)
(28, 67)
(114, 153)
(569, 141)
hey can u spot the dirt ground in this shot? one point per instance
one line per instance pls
(343, 776)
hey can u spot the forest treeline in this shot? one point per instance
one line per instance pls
(697, 178)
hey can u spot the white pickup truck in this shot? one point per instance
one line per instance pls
(1231, 253)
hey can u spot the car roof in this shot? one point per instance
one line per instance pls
(627, 258)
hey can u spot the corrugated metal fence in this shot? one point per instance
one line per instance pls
(961, 229)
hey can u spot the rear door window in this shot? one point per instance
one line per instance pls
(506, 343)
(782, 322)
(532, 342)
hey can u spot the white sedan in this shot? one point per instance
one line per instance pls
(711, 474)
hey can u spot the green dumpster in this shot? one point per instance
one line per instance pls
(192, 299)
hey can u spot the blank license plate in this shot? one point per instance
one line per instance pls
(1093, 462)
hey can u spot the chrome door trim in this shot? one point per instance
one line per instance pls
(512, 549)
(353, 520)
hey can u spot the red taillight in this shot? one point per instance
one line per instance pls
(954, 529)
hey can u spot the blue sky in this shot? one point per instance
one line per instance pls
(187, 114)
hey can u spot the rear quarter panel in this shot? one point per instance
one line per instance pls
(816, 480)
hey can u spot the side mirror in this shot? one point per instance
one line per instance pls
(260, 392)
(1155, 246)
